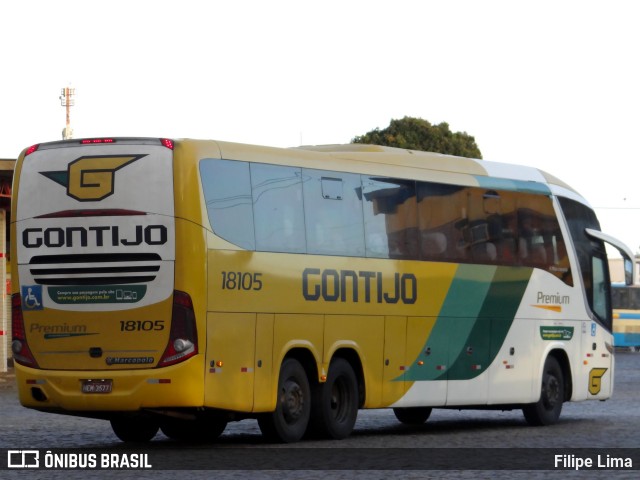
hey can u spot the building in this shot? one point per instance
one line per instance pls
(6, 177)
(616, 269)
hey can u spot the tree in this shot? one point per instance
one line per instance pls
(418, 134)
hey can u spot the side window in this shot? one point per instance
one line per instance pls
(442, 217)
(591, 256)
(491, 232)
(333, 213)
(540, 243)
(227, 192)
(390, 217)
(601, 283)
(278, 208)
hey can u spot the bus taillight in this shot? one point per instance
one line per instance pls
(32, 149)
(21, 352)
(183, 340)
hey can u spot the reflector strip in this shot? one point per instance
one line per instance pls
(246, 370)
(158, 380)
(32, 381)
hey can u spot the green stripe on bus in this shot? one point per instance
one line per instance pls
(492, 323)
(475, 318)
(496, 183)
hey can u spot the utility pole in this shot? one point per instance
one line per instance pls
(67, 99)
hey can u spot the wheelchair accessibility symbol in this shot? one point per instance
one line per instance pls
(32, 297)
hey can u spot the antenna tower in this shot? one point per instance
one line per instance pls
(67, 100)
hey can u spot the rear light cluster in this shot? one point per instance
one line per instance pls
(165, 142)
(21, 352)
(183, 339)
(31, 149)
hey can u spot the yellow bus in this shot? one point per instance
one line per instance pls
(182, 284)
(625, 301)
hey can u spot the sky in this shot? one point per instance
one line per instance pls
(549, 84)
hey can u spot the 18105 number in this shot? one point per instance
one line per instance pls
(241, 281)
(141, 325)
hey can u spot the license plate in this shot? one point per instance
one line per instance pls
(97, 386)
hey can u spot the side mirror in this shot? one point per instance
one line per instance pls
(628, 271)
(627, 254)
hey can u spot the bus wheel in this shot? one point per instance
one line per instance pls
(546, 411)
(289, 421)
(137, 429)
(335, 405)
(413, 415)
(194, 430)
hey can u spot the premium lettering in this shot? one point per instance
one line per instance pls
(557, 299)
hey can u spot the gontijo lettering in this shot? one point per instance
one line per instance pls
(348, 285)
(98, 236)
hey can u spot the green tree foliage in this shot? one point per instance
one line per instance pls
(418, 134)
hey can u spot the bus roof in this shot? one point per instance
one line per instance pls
(390, 161)
(397, 162)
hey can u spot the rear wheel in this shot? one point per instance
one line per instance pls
(289, 421)
(335, 405)
(546, 411)
(134, 429)
(413, 415)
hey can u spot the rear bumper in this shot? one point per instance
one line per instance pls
(177, 386)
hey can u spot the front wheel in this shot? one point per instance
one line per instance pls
(293, 408)
(135, 430)
(412, 415)
(546, 411)
(201, 430)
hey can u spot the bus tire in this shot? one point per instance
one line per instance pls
(546, 411)
(134, 430)
(335, 406)
(289, 421)
(207, 430)
(413, 415)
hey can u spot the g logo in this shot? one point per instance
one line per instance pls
(91, 178)
(595, 380)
